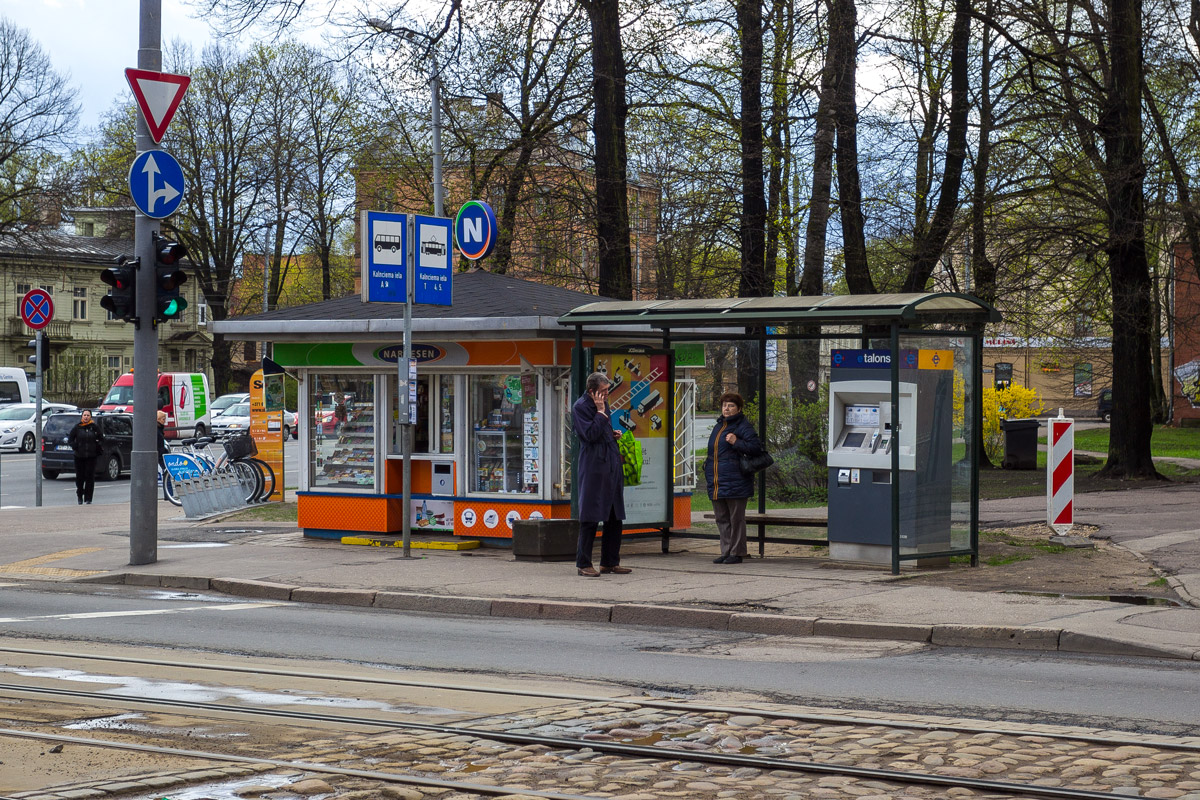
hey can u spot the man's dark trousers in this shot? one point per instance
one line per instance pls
(610, 542)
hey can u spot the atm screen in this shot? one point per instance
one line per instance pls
(853, 440)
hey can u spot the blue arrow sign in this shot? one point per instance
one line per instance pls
(156, 183)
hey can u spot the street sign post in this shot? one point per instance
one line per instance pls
(156, 184)
(385, 257)
(432, 271)
(158, 95)
(475, 230)
(37, 310)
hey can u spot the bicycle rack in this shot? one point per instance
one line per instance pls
(210, 493)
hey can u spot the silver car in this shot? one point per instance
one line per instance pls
(16, 424)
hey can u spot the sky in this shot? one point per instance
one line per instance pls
(91, 42)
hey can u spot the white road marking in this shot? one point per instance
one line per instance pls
(145, 612)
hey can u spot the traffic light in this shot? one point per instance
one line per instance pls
(121, 300)
(168, 277)
(42, 355)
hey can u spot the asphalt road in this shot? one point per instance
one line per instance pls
(1141, 695)
(17, 476)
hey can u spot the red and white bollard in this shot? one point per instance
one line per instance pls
(1060, 475)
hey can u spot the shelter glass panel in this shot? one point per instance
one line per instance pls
(342, 432)
(505, 443)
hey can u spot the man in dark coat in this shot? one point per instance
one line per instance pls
(600, 479)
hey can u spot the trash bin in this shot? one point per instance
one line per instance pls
(1020, 443)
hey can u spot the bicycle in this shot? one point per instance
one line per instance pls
(255, 477)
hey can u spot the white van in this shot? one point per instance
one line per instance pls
(183, 395)
(14, 385)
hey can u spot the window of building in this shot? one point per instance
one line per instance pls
(79, 303)
(201, 313)
(343, 431)
(23, 288)
(504, 447)
(434, 431)
(113, 367)
(1083, 380)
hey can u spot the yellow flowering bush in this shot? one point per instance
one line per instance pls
(1015, 402)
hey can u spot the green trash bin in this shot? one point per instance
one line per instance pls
(1020, 443)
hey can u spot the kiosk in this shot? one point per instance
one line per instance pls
(491, 443)
(872, 443)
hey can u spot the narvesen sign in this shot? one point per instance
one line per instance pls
(475, 230)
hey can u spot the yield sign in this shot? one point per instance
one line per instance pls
(158, 95)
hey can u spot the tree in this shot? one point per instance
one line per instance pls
(37, 113)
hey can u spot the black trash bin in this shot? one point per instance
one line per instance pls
(1020, 443)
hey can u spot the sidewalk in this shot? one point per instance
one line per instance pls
(777, 595)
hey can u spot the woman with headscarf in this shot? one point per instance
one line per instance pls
(728, 487)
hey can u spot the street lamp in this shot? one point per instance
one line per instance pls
(435, 88)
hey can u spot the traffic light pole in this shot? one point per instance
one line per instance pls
(143, 499)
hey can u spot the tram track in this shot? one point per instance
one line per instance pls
(554, 743)
(1051, 732)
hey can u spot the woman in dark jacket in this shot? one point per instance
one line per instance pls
(728, 487)
(87, 440)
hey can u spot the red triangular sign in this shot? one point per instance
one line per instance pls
(158, 94)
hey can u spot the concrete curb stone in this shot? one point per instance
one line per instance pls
(1102, 645)
(434, 604)
(550, 609)
(772, 624)
(341, 597)
(852, 629)
(996, 636)
(670, 616)
(262, 590)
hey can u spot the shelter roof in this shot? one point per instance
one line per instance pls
(484, 302)
(867, 309)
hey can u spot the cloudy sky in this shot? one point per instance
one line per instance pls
(93, 41)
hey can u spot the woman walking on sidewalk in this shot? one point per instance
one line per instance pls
(87, 442)
(728, 487)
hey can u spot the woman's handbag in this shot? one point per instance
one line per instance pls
(753, 464)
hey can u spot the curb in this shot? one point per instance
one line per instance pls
(940, 634)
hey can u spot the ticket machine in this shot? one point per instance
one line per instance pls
(862, 440)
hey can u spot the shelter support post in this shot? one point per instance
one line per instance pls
(670, 488)
(762, 434)
(903, 436)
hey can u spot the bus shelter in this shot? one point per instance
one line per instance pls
(905, 406)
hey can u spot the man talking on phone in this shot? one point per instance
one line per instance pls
(601, 480)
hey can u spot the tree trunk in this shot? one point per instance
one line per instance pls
(983, 269)
(614, 269)
(1121, 128)
(929, 244)
(843, 51)
(753, 280)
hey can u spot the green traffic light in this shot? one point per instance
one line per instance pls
(173, 307)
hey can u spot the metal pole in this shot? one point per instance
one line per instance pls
(402, 387)
(266, 278)
(435, 86)
(37, 421)
(143, 502)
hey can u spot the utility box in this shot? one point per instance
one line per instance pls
(1020, 443)
(545, 539)
(866, 432)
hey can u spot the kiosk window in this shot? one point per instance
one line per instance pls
(853, 440)
(505, 452)
(343, 432)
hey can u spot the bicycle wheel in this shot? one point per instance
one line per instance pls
(249, 479)
(169, 490)
(268, 477)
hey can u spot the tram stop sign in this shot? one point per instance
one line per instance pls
(37, 308)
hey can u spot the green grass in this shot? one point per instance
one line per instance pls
(1158, 582)
(1166, 441)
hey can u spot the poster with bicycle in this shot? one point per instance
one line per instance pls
(638, 399)
(266, 428)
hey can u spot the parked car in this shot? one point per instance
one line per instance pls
(57, 456)
(291, 425)
(232, 421)
(1104, 405)
(226, 400)
(16, 424)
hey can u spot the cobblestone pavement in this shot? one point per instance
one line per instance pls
(1120, 763)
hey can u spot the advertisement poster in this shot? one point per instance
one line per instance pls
(433, 515)
(1188, 376)
(638, 399)
(266, 427)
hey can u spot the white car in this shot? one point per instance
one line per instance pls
(16, 424)
(223, 402)
(232, 421)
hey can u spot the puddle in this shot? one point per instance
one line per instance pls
(1131, 599)
(131, 723)
(125, 686)
(229, 790)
